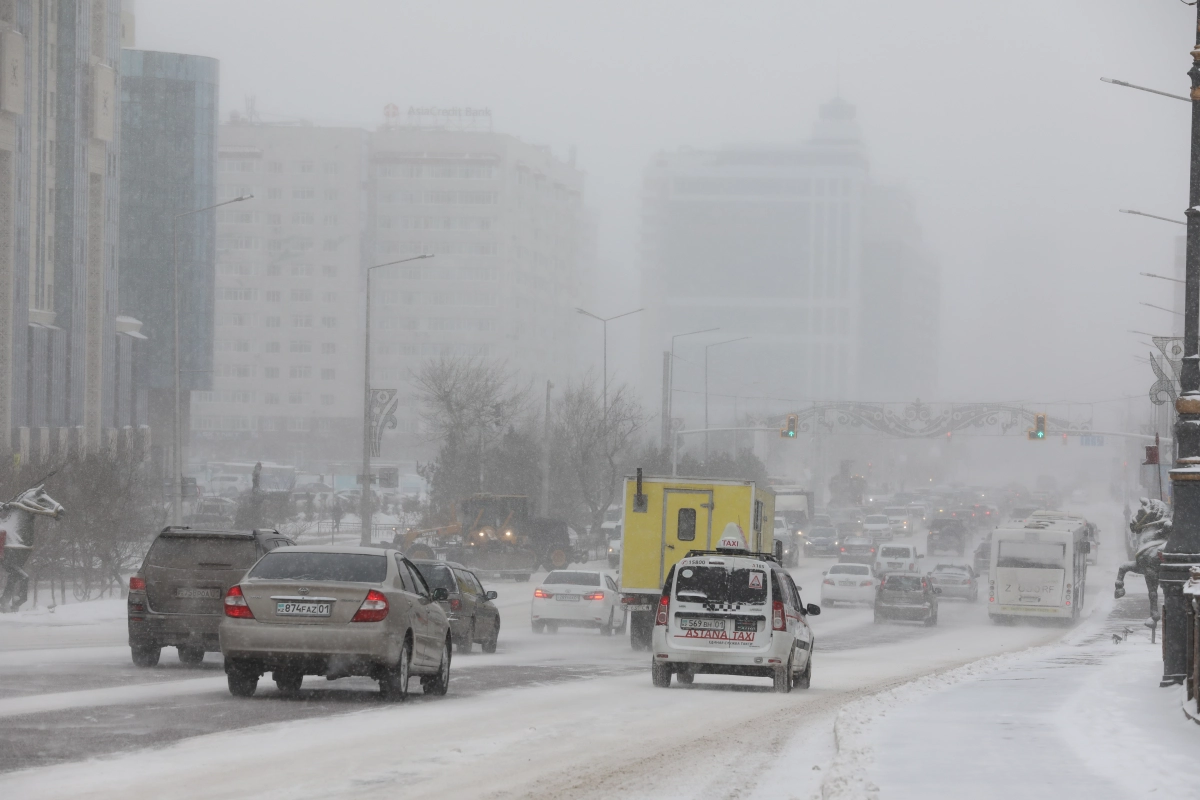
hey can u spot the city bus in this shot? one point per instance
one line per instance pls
(1038, 568)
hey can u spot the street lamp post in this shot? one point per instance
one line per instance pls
(708, 347)
(1184, 541)
(364, 504)
(667, 423)
(606, 320)
(177, 446)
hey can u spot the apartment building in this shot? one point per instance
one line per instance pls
(287, 341)
(65, 351)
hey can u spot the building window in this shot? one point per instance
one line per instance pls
(272, 399)
(271, 347)
(273, 269)
(304, 167)
(301, 295)
(329, 297)
(331, 245)
(295, 398)
(328, 374)
(272, 322)
(332, 168)
(328, 348)
(300, 372)
(274, 296)
(300, 347)
(275, 167)
(274, 194)
(270, 372)
(329, 322)
(326, 399)
(302, 271)
(329, 271)
(304, 193)
(274, 219)
(331, 219)
(303, 219)
(331, 194)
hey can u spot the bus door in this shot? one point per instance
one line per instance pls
(687, 525)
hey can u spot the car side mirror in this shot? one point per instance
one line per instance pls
(492, 595)
(813, 610)
(440, 595)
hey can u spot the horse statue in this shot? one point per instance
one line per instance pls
(1151, 527)
(17, 539)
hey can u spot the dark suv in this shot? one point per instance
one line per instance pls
(175, 598)
(473, 617)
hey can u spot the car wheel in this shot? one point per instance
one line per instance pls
(931, 620)
(685, 675)
(539, 626)
(551, 627)
(145, 655)
(878, 618)
(288, 681)
(804, 679)
(607, 628)
(439, 684)
(465, 645)
(660, 674)
(191, 655)
(783, 677)
(242, 682)
(394, 683)
(621, 626)
(490, 644)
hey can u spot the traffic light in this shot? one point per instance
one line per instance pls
(1038, 431)
(788, 431)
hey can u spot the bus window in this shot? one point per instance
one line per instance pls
(1032, 555)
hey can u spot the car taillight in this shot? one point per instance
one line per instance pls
(137, 584)
(542, 593)
(843, 549)
(966, 581)
(778, 621)
(455, 604)
(373, 609)
(866, 583)
(910, 566)
(828, 581)
(664, 604)
(235, 604)
(594, 596)
(872, 549)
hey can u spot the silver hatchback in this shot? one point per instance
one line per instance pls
(336, 612)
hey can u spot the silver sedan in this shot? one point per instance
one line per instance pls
(336, 612)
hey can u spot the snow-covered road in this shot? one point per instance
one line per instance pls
(566, 715)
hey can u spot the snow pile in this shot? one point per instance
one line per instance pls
(85, 613)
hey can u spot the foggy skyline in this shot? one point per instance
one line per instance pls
(997, 123)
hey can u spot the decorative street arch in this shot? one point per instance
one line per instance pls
(923, 420)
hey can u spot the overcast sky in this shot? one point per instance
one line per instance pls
(993, 115)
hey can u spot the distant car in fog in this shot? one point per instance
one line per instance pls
(857, 550)
(821, 541)
(898, 558)
(910, 597)
(956, 580)
(1081, 496)
(878, 526)
(947, 534)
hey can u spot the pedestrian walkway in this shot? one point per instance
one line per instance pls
(1084, 718)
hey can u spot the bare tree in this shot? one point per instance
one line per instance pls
(590, 446)
(469, 406)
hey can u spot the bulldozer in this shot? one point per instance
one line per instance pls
(494, 535)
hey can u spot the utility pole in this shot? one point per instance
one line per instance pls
(1183, 547)
(546, 454)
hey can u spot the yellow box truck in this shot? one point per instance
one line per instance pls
(667, 517)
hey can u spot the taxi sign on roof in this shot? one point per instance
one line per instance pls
(732, 538)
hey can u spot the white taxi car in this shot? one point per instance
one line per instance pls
(732, 612)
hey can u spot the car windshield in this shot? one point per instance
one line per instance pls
(849, 569)
(903, 583)
(212, 552)
(877, 519)
(338, 567)
(720, 585)
(1035, 555)
(437, 576)
(894, 552)
(822, 532)
(896, 512)
(563, 578)
(957, 572)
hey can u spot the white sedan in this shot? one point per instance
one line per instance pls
(577, 598)
(848, 583)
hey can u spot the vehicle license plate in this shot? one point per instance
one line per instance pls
(567, 598)
(845, 583)
(644, 607)
(195, 593)
(292, 609)
(745, 625)
(896, 564)
(702, 624)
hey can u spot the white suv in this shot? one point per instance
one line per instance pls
(900, 559)
(732, 612)
(878, 526)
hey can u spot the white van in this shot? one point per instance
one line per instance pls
(900, 559)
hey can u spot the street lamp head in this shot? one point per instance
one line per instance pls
(240, 198)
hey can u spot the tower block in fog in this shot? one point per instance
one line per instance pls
(794, 246)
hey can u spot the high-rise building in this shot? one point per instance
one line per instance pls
(169, 122)
(780, 244)
(60, 336)
(504, 220)
(287, 366)
(501, 217)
